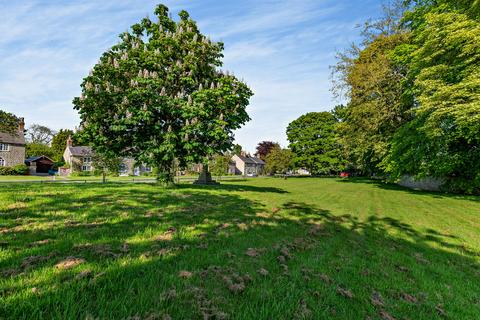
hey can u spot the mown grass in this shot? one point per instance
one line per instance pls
(256, 249)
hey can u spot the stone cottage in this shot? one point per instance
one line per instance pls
(80, 159)
(12, 146)
(247, 165)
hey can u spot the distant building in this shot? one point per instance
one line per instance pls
(39, 165)
(80, 159)
(12, 146)
(247, 165)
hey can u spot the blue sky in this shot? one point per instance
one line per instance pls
(282, 49)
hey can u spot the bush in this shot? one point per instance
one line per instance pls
(21, 169)
(18, 170)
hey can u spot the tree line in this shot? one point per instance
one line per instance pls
(412, 92)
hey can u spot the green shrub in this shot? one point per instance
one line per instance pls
(17, 170)
(21, 169)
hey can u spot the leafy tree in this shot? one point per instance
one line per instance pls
(378, 104)
(158, 96)
(105, 164)
(444, 138)
(35, 149)
(279, 160)
(237, 149)
(219, 164)
(8, 122)
(264, 148)
(313, 140)
(59, 143)
(39, 134)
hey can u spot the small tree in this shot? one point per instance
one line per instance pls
(219, 165)
(279, 161)
(264, 148)
(8, 122)
(158, 96)
(106, 163)
(59, 143)
(37, 133)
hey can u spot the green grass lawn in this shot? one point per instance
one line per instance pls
(300, 248)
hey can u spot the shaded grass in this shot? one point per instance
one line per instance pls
(330, 249)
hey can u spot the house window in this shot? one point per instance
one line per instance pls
(2, 162)
(123, 168)
(4, 147)
(87, 164)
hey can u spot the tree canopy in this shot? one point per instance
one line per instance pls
(159, 95)
(414, 95)
(313, 140)
(264, 148)
(8, 122)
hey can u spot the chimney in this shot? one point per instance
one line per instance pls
(69, 141)
(21, 125)
(243, 153)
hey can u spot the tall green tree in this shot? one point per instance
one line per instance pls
(8, 122)
(313, 140)
(444, 67)
(35, 149)
(59, 143)
(279, 160)
(159, 95)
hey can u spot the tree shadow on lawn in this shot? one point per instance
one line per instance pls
(391, 186)
(196, 253)
(234, 187)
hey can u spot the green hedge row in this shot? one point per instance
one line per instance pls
(18, 170)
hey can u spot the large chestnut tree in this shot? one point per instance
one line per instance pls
(160, 97)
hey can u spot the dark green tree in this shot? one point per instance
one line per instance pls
(159, 95)
(8, 122)
(35, 149)
(59, 143)
(313, 140)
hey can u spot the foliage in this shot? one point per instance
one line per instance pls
(279, 160)
(18, 170)
(59, 143)
(39, 134)
(8, 122)
(378, 104)
(444, 138)
(106, 163)
(413, 95)
(237, 149)
(331, 236)
(264, 148)
(39, 149)
(158, 96)
(218, 165)
(313, 140)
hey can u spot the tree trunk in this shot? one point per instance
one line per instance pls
(104, 177)
(165, 175)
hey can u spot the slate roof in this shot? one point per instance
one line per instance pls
(80, 151)
(12, 138)
(252, 160)
(34, 159)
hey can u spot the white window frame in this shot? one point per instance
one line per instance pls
(3, 162)
(87, 160)
(86, 167)
(4, 147)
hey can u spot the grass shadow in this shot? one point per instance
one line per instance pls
(204, 252)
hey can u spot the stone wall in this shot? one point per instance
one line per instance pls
(14, 156)
(427, 184)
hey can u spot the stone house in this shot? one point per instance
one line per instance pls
(247, 165)
(80, 159)
(12, 146)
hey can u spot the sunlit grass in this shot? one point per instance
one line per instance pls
(254, 249)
